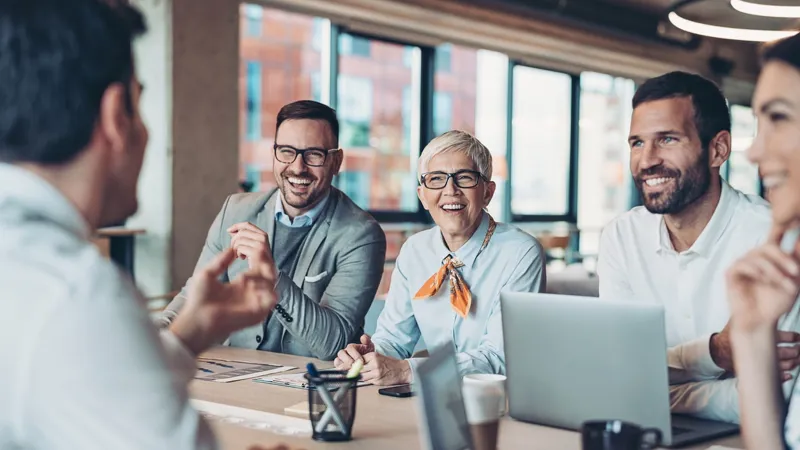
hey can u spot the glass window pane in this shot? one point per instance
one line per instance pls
(375, 108)
(350, 45)
(604, 177)
(253, 112)
(444, 56)
(254, 14)
(540, 142)
(280, 66)
(473, 97)
(442, 112)
(743, 175)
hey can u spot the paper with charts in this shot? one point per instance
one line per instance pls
(226, 371)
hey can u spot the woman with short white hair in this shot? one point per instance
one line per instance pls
(466, 250)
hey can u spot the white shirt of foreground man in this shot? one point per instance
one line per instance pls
(637, 262)
(85, 368)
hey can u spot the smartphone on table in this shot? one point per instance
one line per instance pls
(401, 391)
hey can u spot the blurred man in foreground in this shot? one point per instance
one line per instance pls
(84, 366)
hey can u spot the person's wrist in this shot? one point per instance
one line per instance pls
(189, 334)
(748, 326)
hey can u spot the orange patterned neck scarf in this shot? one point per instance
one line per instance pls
(460, 296)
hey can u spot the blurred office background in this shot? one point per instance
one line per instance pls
(545, 84)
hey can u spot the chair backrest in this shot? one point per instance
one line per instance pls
(574, 280)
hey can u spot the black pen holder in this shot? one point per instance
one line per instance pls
(341, 400)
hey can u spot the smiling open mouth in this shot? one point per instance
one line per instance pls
(453, 207)
(299, 182)
(658, 181)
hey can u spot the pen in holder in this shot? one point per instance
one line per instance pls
(332, 404)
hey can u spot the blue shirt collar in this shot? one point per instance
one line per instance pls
(469, 251)
(304, 220)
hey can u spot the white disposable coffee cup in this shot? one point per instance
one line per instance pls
(482, 404)
(482, 401)
(488, 380)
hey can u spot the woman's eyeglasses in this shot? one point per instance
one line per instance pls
(464, 179)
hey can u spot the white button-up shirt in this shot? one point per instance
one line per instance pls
(637, 262)
(83, 367)
(512, 261)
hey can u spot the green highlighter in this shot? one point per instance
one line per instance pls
(355, 369)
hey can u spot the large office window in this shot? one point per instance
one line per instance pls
(377, 124)
(281, 54)
(541, 142)
(741, 173)
(471, 94)
(604, 177)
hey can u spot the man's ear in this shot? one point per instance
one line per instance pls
(720, 149)
(338, 158)
(115, 117)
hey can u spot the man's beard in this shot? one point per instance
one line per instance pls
(298, 201)
(690, 186)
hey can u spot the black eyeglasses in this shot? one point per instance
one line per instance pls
(464, 179)
(313, 157)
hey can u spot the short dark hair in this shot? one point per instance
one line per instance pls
(309, 109)
(711, 113)
(786, 50)
(57, 59)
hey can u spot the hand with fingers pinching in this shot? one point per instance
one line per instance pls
(249, 242)
(380, 370)
(353, 352)
(215, 309)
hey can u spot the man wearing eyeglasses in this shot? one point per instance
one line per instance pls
(328, 252)
(447, 281)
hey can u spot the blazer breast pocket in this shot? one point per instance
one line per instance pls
(315, 278)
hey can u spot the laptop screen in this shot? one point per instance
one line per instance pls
(443, 419)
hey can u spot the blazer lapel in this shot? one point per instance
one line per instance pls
(265, 219)
(315, 239)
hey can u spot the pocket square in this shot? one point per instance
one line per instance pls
(316, 278)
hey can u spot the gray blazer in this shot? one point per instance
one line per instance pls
(322, 308)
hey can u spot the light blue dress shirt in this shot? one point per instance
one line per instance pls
(513, 261)
(304, 220)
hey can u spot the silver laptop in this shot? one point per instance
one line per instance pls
(572, 359)
(443, 421)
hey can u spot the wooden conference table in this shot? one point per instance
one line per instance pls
(382, 422)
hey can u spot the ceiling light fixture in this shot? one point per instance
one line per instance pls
(758, 9)
(739, 34)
